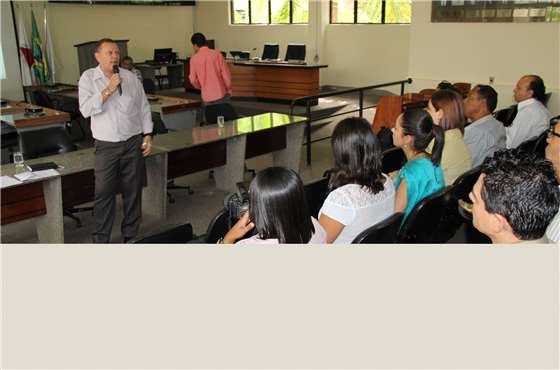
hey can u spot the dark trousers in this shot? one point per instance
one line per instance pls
(118, 166)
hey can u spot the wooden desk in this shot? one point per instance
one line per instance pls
(176, 113)
(173, 155)
(278, 81)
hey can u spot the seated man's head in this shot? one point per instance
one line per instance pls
(530, 86)
(480, 102)
(515, 197)
(127, 63)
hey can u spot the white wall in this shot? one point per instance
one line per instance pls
(147, 28)
(474, 52)
(11, 86)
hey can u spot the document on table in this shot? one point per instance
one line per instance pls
(8, 181)
(25, 176)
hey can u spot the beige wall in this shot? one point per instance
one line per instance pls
(11, 86)
(147, 28)
(474, 52)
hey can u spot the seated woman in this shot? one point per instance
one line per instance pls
(278, 211)
(422, 175)
(446, 109)
(362, 194)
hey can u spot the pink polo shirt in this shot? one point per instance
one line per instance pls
(210, 74)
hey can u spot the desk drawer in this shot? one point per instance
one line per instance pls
(22, 202)
(195, 159)
(265, 142)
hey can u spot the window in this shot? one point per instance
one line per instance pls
(269, 11)
(370, 11)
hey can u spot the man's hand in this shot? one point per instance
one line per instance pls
(114, 82)
(147, 145)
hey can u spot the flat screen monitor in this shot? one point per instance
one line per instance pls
(163, 55)
(211, 44)
(270, 51)
(295, 52)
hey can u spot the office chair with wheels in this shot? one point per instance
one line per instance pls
(50, 141)
(384, 232)
(211, 112)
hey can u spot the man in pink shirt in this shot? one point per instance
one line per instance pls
(210, 74)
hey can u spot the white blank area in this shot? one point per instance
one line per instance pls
(412, 307)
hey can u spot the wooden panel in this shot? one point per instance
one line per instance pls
(386, 113)
(78, 188)
(288, 74)
(198, 158)
(265, 142)
(22, 202)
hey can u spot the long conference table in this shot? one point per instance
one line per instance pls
(174, 154)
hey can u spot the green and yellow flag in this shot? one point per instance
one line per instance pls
(40, 66)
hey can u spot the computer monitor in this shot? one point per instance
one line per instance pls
(163, 55)
(211, 44)
(270, 51)
(295, 52)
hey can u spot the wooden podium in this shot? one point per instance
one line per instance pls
(277, 81)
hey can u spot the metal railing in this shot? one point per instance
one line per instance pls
(308, 100)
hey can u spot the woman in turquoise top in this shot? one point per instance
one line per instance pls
(422, 174)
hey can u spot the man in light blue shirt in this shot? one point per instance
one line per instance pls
(485, 135)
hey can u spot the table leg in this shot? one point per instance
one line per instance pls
(154, 201)
(50, 227)
(229, 175)
(290, 156)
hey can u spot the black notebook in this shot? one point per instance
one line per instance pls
(42, 166)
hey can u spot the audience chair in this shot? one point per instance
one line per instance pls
(211, 112)
(316, 192)
(540, 145)
(384, 232)
(506, 115)
(547, 98)
(387, 111)
(50, 141)
(463, 87)
(180, 234)
(175, 76)
(393, 160)
(217, 228)
(413, 100)
(427, 93)
(529, 145)
(422, 224)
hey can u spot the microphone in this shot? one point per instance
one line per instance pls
(116, 70)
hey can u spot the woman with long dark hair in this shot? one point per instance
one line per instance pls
(422, 175)
(278, 211)
(362, 195)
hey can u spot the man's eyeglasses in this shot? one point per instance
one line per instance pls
(550, 132)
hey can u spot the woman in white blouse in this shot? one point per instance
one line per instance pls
(362, 195)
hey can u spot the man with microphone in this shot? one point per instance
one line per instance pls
(121, 124)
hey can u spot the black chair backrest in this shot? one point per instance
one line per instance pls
(174, 235)
(463, 184)
(212, 112)
(218, 227)
(506, 115)
(528, 145)
(540, 145)
(384, 232)
(149, 86)
(423, 222)
(393, 160)
(316, 192)
(547, 98)
(42, 99)
(44, 142)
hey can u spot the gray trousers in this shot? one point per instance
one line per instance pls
(118, 166)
